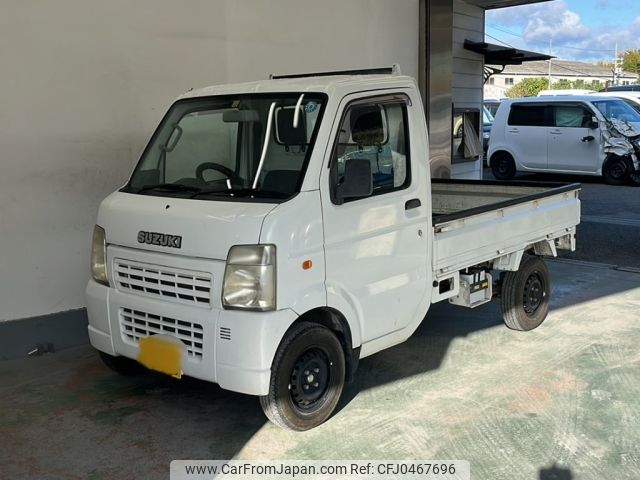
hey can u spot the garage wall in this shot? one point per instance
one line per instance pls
(84, 83)
(468, 24)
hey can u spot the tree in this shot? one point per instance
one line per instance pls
(563, 84)
(631, 61)
(529, 87)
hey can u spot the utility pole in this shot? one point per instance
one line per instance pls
(617, 67)
(550, 47)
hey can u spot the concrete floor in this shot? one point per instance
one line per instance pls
(463, 387)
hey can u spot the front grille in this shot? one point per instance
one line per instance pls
(135, 324)
(182, 286)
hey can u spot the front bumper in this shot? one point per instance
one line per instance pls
(234, 348)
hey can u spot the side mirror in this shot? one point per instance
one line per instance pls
(594, 124)
(357, 181)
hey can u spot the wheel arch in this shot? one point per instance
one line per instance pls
(499, 151)
(335, 321)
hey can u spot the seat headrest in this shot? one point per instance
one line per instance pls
(284, 181)
(366, 125)
(285, 132)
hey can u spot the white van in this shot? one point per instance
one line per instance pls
(632, 98)
(568, 91)
(586, 135)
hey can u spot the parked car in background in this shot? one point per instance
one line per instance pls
(568, 91)
(487, 123)
(492, 105)
(632, 98)
(623, 88)
(586, 135)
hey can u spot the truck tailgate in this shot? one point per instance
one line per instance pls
(475, 222)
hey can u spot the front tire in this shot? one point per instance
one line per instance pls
(615, 171)
(525, 295)
(307, 378)
(503, 166)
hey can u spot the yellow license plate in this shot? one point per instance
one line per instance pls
(162, 355)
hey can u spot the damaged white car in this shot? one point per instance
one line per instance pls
(585, 135)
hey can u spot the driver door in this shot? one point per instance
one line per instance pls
(573, 146)
(376, 246)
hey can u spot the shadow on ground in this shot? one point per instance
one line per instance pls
(75, 419)
(555, 473)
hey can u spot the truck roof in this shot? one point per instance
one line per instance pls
(334, 84)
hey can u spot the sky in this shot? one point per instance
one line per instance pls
(583, 30)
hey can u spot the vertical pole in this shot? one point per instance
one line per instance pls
(615, 67)
(423, 55)
(550, 47)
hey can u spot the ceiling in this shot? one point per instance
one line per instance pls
(489, 4)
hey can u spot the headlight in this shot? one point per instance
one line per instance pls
(250, 278)
(99, 256)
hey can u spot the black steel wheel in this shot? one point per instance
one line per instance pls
(503, 166)
(615, 171)
(525, 295)
(307, 378)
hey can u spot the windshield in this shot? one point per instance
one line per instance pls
(615, 109)
(633, 104)
(242, 147)
(487, 118)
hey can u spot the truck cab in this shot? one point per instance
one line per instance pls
(273, 233)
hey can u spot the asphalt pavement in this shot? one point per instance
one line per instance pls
(610, 229)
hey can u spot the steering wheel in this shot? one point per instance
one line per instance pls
(230, 174)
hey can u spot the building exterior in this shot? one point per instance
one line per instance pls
(87, 82)
(499, 83)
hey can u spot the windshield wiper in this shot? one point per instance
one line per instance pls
(242, 192)
(174, 187)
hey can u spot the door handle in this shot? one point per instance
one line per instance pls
(555, 132)
(514, 130)
(413, 203)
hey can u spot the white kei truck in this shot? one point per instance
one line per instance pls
(274, 233)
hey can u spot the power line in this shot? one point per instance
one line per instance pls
(498, 40)
(555, 64)
(495, 27)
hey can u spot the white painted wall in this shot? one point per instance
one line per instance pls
(84, 83)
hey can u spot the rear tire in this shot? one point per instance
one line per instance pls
(503, 166)
(525, 295)
(122, 365)
(615, 171)
(307, 378)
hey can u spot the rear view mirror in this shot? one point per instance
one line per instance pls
(357, 181)
(286, 133)
(240, 116)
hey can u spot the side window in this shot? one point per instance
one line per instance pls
(572, 116)
(529, 116)
(378, 133)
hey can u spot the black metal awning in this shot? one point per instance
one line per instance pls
(502, 55)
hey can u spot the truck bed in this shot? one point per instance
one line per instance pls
(476, 222)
